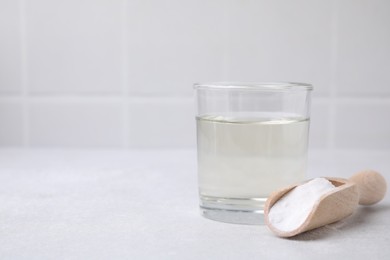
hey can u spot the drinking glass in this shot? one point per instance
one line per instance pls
(252, 139)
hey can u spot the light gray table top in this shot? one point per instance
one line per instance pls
(123, 204)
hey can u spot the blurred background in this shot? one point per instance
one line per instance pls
(119, 73)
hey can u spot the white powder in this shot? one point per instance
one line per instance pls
(292, 209)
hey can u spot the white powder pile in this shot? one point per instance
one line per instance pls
(292, 209)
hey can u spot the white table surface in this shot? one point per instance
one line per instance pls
(123, 204)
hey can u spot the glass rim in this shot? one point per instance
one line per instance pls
(254, 86)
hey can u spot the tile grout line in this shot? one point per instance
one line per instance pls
(226, 46)
(24, 75)
(92, 99)
(95, 98)
(333, 72)
(124, 66)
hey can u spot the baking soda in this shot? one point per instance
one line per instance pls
(291, 211)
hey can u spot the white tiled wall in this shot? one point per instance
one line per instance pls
(119, 73)
(281, 40)
(79, 122)
(73, 46)
(363, 66)
(10, 47)
(11, 118)
(161, 122)
(173, 43)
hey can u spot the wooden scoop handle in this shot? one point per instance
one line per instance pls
(371, 185)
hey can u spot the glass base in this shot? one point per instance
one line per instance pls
(237, 211)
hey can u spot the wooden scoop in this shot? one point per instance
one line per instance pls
(364, 188)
